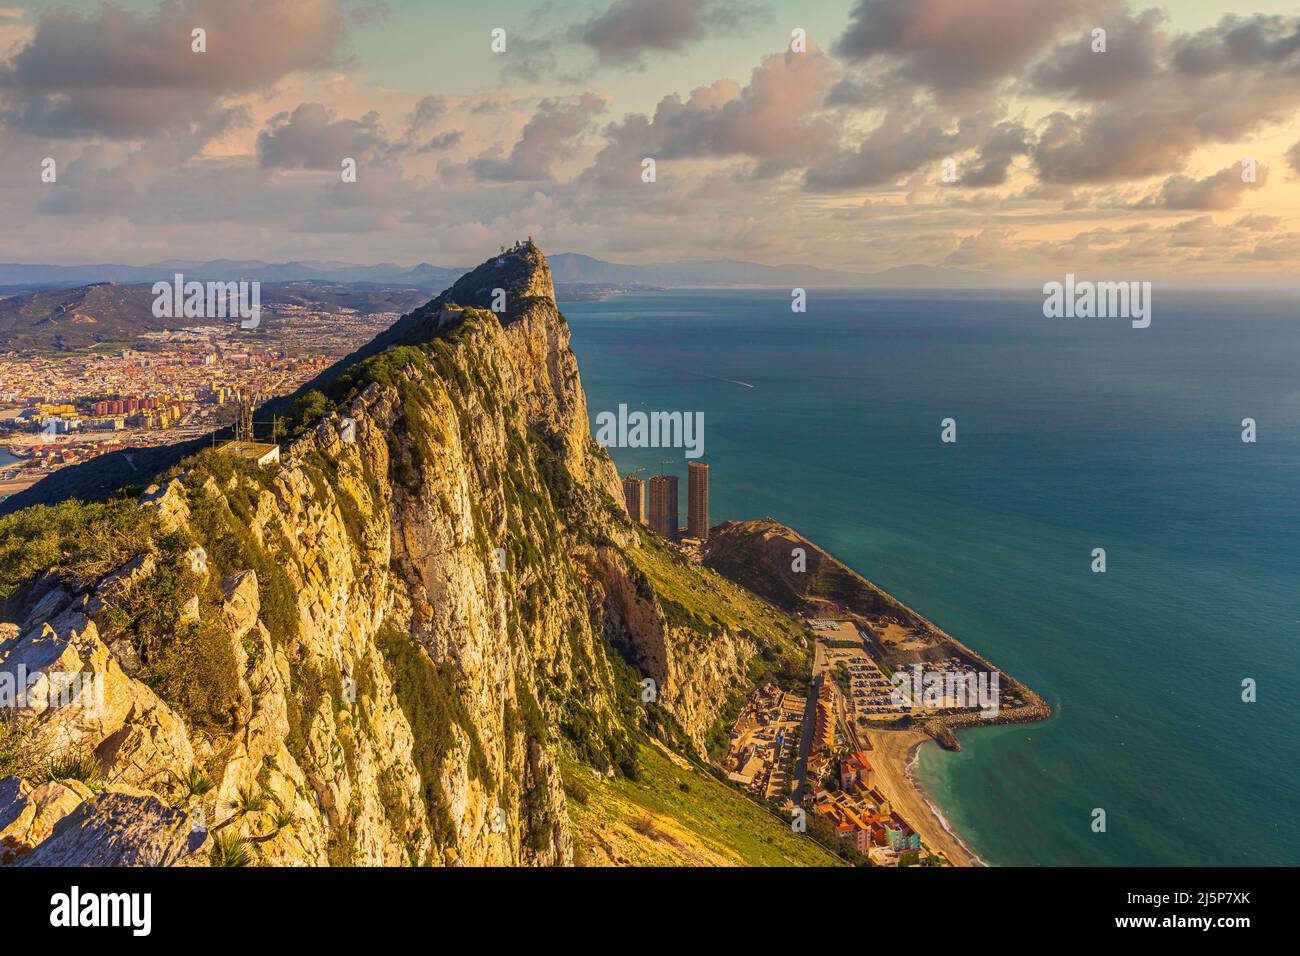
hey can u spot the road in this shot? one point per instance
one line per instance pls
(805, 739)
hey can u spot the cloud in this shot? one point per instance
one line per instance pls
(1134, 139)
(94, 186)
(1112, 146)
(125, 75)
(1135, 46)
(1007, 141)
(381, 200)
(772, 119)
(620, 35)
(957, 46)
(1258, 223)
(907, 140)
(311, 137)
(983, 250)
(1222, 190)
(900, 144)
(1238, 42)
(418, 138)
(1215, 86)
(549, 136)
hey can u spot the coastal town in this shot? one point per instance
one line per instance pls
(59, 409)
(836, 760)
(814, 758)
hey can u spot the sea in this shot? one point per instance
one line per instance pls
(1174, 674)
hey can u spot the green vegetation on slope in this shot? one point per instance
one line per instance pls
(427, 694)
(693, 596)
(737, 551)
(189, 663)
(677, 814)
(698, 598)
(83, 540)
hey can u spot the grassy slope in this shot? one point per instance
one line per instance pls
(697, 597)
(653, 821)
(738, 550)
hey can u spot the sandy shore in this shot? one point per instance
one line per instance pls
(891, 754)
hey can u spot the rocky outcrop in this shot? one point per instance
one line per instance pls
(29, 813)
(693, 673)
(121, 829)
(374, 651)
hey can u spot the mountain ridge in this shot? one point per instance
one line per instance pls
(405, 643)
(567, 267)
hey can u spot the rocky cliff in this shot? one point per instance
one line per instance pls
(379, 649)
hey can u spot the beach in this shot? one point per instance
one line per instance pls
(891, 757)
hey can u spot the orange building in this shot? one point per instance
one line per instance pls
(697, 500)
(856, 772)
(824, 722)
(633, 497)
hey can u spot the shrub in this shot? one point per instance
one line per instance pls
(199, 782)
(84, 540)
(647, 828)
(577, 792)
(17, 757)
(306, 411)
(80, 767)
(231, 547)
(197, 672)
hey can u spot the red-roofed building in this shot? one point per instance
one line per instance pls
(856, 772)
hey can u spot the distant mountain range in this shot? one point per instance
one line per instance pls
(63, 318)
(568, 268)
(19, 275)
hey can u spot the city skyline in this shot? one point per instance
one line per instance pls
(1172, 154)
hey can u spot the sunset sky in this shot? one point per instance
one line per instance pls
(1125, 163)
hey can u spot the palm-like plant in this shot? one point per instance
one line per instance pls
(198, 782)
(72, 767)
(248, 800)
(231, 851)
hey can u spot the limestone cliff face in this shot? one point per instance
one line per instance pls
(373, 651)
(693, 672)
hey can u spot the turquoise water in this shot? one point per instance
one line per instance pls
(1072, 435)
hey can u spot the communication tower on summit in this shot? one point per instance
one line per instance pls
(244, 423)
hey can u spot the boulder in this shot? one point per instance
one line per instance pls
(122, 828)
(28, 814)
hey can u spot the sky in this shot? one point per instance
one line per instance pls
(1020, 138)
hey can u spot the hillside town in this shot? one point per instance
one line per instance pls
(60, 409)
